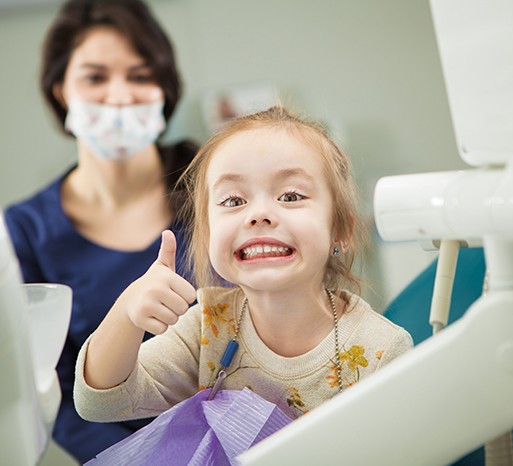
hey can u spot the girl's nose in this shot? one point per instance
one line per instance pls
(264, 220)
(260, 214)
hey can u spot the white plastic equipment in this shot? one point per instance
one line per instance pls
(453, 392)
(34, 320)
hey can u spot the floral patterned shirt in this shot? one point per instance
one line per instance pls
(175, 365)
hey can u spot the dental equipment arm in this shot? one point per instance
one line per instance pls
(444, 281)
(453, 392)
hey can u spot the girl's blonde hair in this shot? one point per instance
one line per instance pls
(347, 225)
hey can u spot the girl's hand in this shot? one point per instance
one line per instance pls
(158, 298)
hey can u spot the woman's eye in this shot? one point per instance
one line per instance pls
(290, 197)
(232, 202)
(95, 78)
(142, 79)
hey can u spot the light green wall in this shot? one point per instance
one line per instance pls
(368, 68)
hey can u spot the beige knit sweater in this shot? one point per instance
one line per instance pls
(174, 366)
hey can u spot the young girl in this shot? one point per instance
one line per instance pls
(274, 213)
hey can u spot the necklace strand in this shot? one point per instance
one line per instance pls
(239, 320)
(338, 363)
(233, 346)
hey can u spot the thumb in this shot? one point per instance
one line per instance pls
(167, 251)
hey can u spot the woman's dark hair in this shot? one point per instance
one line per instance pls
(133, 19)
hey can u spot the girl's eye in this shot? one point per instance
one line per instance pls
(290, 197)
(232, 201)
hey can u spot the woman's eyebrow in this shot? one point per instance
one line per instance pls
(94, 66)
(100, 67)
(142, 66)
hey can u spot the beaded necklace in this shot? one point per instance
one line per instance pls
(233, 345)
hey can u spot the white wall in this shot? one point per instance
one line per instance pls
(368, 68)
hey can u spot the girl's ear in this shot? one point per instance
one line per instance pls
(339, 247)
(59, 95)
(342, 239)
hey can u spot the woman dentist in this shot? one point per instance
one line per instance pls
(110, 77)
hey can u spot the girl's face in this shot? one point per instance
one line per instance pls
(105, 69)
(270, 212)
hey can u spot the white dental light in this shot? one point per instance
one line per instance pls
(465, 205)
(453, 392)
(475, 42)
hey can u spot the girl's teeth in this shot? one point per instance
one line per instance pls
(265, 250)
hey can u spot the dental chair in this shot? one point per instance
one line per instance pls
(411, 308)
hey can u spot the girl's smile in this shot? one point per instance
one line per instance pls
(264, 248)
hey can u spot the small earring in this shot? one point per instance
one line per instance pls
(336, 251)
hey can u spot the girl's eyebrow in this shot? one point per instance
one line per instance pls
(295, 172)
(226, 178)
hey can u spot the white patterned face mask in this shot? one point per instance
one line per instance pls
(115, 132)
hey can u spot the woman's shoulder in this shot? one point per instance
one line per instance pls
(45, 198)
(39, 212)
(35, 200)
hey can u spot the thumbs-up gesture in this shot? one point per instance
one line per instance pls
(158, 298)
